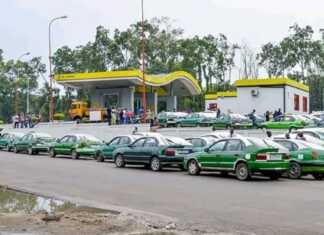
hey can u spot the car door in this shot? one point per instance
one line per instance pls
(111, 146)
(132, 152)
(23, 144)
(211, 157)
(70, 144)
(60, 146)
(232, 152)
(150, 148)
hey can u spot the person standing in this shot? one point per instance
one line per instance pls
(121, 116)
(267, 116)
(253, 118)
(218, 113)
(109, 111)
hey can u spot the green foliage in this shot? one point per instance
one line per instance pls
(59, 116)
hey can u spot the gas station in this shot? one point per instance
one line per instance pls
(124, 89)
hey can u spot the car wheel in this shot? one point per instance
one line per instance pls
(52, 153)
(9, 149)
(30, 151)
(155, 164)
(193, 168)
(16, 150)
(120, 162)
(275, 176)
(318, 176)
(100, 157)
(295, 171)
(242, 171)
(75, 155)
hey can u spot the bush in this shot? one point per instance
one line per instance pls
(59, 116)
(1, 122)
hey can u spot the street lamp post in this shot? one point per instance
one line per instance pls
(51, 103)
(143, 65)
(16, 86)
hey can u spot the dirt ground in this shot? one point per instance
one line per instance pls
(79, 221)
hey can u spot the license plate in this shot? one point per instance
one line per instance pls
(275, 157)
(184, 151)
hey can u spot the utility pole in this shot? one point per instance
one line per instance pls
(51, 101)
(16, 86)
(143, 65)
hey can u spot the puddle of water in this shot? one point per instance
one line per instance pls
(13, 201)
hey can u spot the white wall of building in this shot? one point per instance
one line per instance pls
(268, 99)
(290, 100)
(224, 103)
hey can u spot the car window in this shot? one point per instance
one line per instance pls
(288, 145)
(197, 142)
(72, 139)
(218, 146)
(151, 142)
(139, 142)
(64, 139)
(5, 136)
(115, 141)
(289, 119)
(125, 140)
(233, 145)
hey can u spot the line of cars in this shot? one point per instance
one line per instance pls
(296, 154)
(238, 121)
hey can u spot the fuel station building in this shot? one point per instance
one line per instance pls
(123, 89)
(262, 95)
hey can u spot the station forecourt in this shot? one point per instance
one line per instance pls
(123, 89)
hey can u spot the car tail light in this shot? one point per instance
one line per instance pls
(315, 155)
(261, 157)
(169, 152)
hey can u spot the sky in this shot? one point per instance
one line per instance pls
(24, 23)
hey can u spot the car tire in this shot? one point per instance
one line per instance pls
(100, 157)
(75, 155)
(242, 172)
(119, 161)
(52, 153)
(295, 171)
(9, 149)
(15, 150)
(155, 164)
(318, 176)
(193, 167)
(30, 151)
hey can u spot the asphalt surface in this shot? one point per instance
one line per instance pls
(208, 202)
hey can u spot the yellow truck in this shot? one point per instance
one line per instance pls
(80, 110)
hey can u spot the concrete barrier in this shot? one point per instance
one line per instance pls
(100, 130)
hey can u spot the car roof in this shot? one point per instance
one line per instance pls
(220, 134)
(39, 134)
(178, 140)
(206, 138)
(312, 129)
(19, 134)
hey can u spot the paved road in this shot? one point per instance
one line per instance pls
(212, 202)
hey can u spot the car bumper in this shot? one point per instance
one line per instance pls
(171, 160)
(269, 166)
